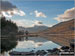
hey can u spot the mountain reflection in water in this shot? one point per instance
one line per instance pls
(34, 43)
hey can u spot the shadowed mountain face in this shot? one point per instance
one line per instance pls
(66, 27)
(33, 29)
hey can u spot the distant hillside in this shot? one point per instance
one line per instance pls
(61, 33)
(33, 29)
(66, 27)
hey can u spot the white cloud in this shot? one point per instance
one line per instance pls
(36, 22)
(28, 23)
(8, 9)
(21, 13)
(40, 23)
(39, 14)
(12, 13)
(68, 14)
(4, 14)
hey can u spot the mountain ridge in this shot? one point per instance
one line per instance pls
(33, 29)
(62, 33)
(66, 27)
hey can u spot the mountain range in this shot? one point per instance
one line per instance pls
(35, 28)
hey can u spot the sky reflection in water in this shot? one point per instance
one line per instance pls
(35, 44)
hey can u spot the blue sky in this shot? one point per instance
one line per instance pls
(49, 8)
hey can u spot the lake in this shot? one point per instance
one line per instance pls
(34, 43)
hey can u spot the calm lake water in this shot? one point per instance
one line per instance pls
(34, 43)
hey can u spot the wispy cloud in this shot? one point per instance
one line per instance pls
(29, 23)
(40, 23)
(68, 14)
(36, 22)
(23, 22)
